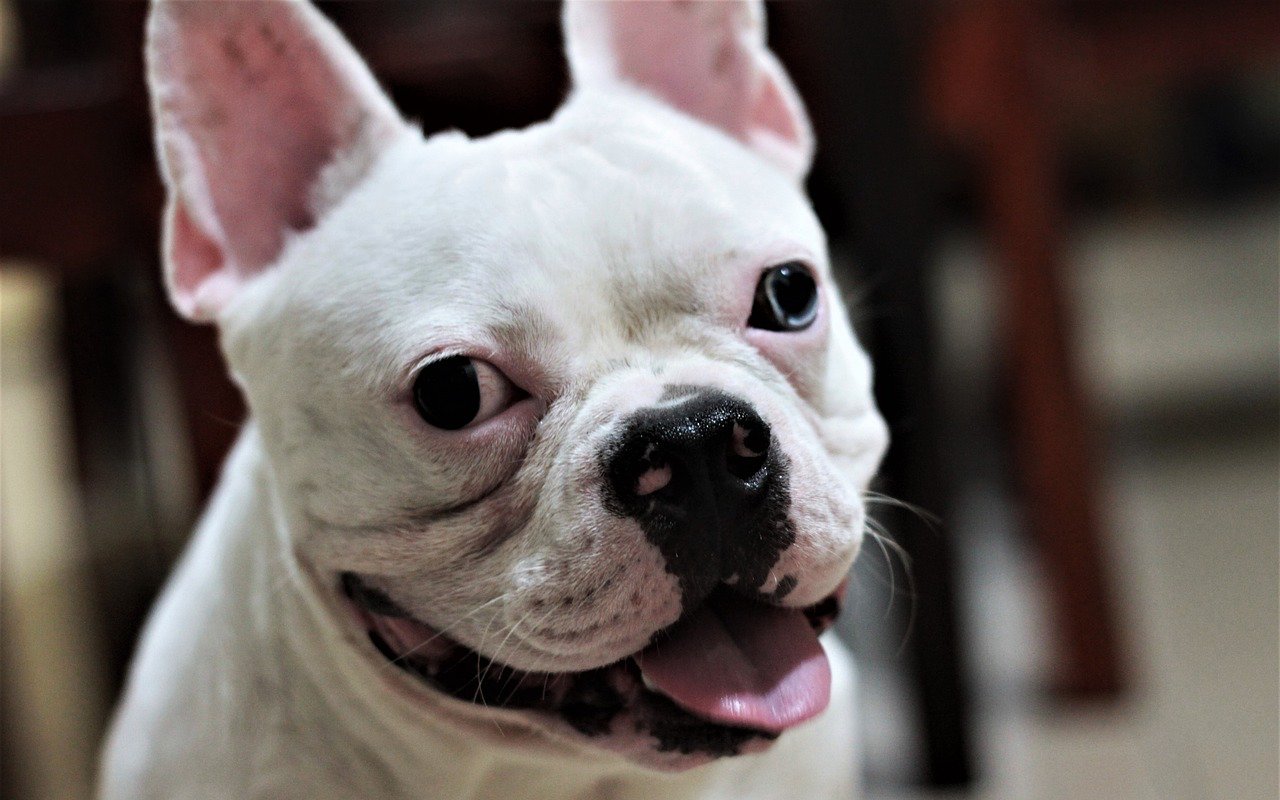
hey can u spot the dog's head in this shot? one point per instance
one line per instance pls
(569, 422)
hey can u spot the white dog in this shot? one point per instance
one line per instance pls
(558, 437)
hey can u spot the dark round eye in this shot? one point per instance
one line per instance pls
(786, 299)
(456, 391)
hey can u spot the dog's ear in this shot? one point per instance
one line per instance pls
(709, 59)
(264, 118)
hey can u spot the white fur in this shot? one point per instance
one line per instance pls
(617, 245)
(246, 689)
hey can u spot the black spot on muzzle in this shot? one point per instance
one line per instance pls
(709, 486)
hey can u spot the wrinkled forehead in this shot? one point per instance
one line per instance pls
(604, 221)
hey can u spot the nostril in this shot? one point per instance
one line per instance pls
(748, 449)
(705, 453)
(749, 441)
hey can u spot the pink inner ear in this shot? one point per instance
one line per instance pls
(707, 59)
(688, 54)
(253, 101)
(776, 111)
(195, 260)
(265, 111)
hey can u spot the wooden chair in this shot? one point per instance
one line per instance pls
(999, 77)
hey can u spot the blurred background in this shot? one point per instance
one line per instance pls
(1058, 224)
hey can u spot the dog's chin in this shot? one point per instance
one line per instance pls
(614, 707)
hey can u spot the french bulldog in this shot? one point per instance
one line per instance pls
(558, 437)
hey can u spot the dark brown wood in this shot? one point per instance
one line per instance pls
(1103, 47)
(999, 78)
(1052, 433)
(80, 200)
(60, 167)
(992, 91)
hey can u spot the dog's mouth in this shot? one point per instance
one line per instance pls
(726, 679)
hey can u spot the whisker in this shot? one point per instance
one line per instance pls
(445, 630)
(512, 674)
(877, 536)
(873, 498)
(490, 660)
(887, 545)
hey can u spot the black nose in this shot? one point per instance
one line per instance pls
(696, 472)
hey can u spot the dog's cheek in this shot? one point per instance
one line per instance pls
(827, 516)
(596, 604)
(846, 384)
(802, 356)
(804, 369)
(856, 445)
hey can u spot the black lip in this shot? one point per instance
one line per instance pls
(589, 700)
(590, 703)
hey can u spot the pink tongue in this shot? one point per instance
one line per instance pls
(742, 663)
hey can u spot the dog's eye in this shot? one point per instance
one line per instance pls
(457, 391)
(786, 299)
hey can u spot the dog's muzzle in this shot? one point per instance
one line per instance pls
(702, 475)
(705, 478)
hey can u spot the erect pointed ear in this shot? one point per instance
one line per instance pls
(707, 59)
(264, 118)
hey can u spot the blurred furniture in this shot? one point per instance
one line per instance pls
(81, 203)
(52, 698)
(1000, 75)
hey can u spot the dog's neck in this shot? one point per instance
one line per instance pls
(316, 694)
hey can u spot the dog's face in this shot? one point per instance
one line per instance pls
(569, 421)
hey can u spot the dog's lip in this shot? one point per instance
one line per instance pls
(586, 701)
(367, 604)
